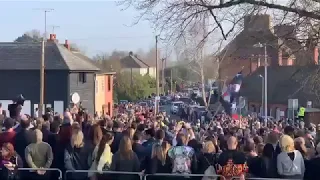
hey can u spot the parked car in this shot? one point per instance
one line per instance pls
(175, 107)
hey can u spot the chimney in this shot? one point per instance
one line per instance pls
(130, 53)
(53, 37)
(316, 55)
(66, 44)
(259, 22)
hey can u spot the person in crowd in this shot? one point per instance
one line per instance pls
(8, 136)
(150, 140)
(39, 154)
(66, 129)
(138, 148)
(184, 160)
(117, 130)
(300, 145)
(129, 132)
(95, 135)
(312, 169)
(23, 138)
(102, 157)
(58, 151)
(195, 145)
(125, 159)
(290, 162)
(259, 149)
(45, 130)
(289, 130)
(232, 163)
(250, 150)
(77, 155)
(160, 162)
(207, 159)
(103, 126)
(9, 162)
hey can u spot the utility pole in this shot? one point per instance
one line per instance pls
(163, 80)
(157, 79)
(42, 64)
(171, 85)
(41, 104)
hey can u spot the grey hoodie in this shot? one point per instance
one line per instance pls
(287, 167)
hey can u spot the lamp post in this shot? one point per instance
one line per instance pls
(262, 93)
(265, 80)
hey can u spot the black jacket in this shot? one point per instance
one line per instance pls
(141, 153)
(22, 140)
(116, 142)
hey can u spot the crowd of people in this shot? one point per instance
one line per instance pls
(137, 140)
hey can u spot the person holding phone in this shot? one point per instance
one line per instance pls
(10, 162)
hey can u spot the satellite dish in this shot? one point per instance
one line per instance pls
(75, 98)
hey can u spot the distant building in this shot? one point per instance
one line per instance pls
(284, 82)
(104, 93)
(66, 73)
(283, 48)
(132, 63)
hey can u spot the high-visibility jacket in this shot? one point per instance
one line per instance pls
(301, 111)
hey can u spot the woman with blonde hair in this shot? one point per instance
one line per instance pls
(125, 159)
(160, 162)
(290, 162)
(102, 157)
(77, 156)
(207, 159)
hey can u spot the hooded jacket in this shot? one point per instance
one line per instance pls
(288, 167)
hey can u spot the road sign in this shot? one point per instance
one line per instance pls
(75, 98)
(293, 103)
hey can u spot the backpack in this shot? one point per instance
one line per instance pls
(209, 171)
(181, 164)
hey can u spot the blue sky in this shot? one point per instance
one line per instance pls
(96, 26)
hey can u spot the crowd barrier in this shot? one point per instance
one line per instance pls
(141, 175)
(42, 169)
(184, 175)
(253, 178)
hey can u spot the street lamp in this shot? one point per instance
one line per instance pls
(262, 94)
(265, 80)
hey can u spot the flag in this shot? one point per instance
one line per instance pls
(231, 92)
(234, 86)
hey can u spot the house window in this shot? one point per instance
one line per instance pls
(97, 86)
(102, 86)
(83, 77)
(109, 83)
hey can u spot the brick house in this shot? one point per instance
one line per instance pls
(283, 49)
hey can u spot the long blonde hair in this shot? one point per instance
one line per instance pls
(77, 139)
(125, 148)
(160, 151)
(208, 147)
(286, 144)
